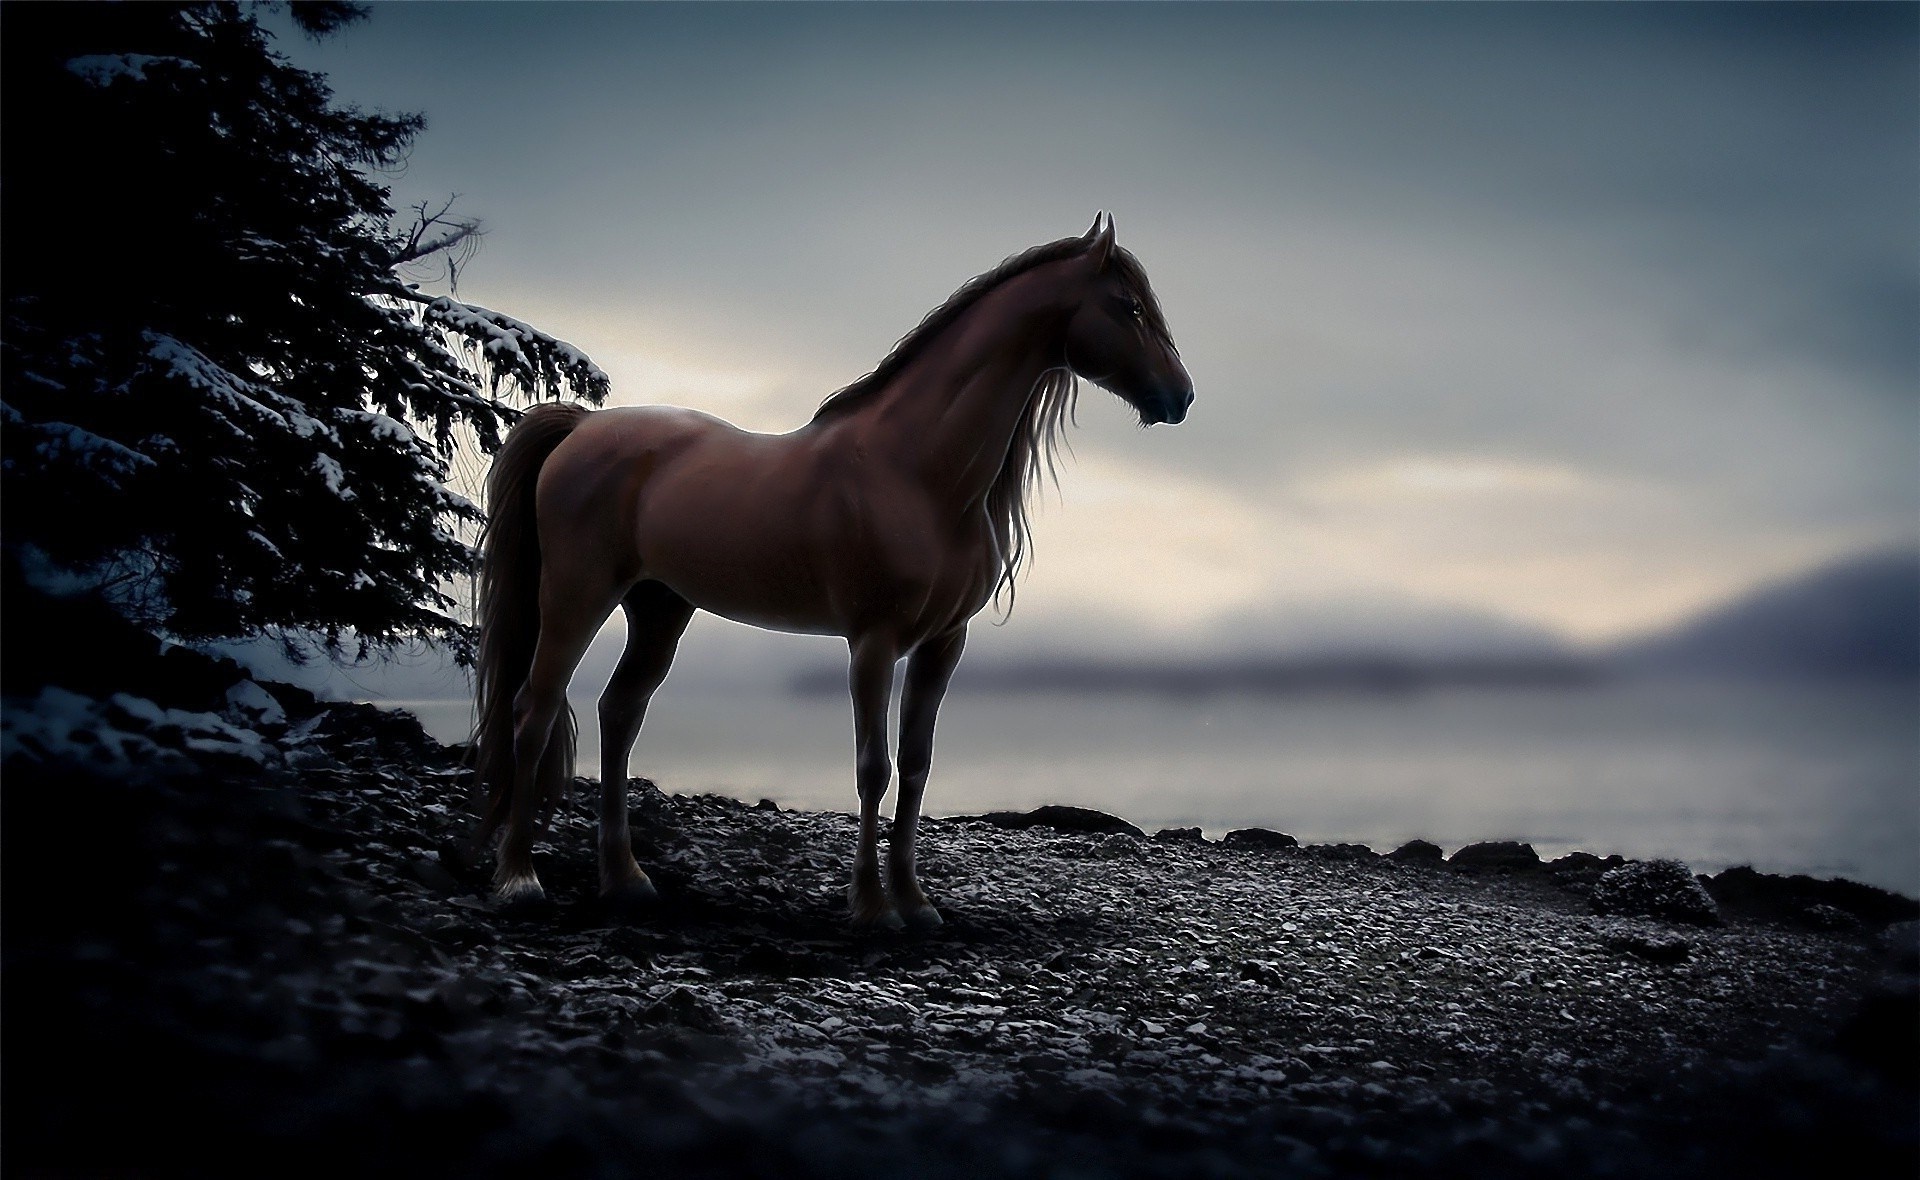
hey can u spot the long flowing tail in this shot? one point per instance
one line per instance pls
(508, 608)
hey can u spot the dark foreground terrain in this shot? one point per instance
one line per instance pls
(236, 954)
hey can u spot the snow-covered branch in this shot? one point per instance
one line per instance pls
(536, 361)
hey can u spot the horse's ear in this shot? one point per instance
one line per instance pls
(1100, 240)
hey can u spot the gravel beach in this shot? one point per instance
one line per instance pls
(222, 958)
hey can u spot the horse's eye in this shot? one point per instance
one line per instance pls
(1136, 309)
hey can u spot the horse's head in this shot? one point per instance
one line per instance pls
(1117, 337)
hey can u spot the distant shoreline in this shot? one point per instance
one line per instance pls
(1254, 677)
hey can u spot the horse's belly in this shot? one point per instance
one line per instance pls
(772, 603)
(759, 589)
(789, 596)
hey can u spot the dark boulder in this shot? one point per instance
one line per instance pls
(1060, 818)
(1339, 851)
(1496, 856)
(1584, 864)
(1418, 852)
(1821, 916)
(1579, 872)
(1654, 950)
(1663, 889)
(1900, 947)
(1766, 897)
(1179, 836)
(381, 735)
(1259, 838)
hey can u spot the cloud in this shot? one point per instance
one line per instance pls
(1581, 315)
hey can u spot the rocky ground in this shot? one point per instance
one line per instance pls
(232, 944)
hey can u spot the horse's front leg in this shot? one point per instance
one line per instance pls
(929, 670)
(871, 680)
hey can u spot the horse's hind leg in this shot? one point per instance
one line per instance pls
(656, 618)
(572, 607)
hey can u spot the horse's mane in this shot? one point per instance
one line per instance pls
(1037, 438)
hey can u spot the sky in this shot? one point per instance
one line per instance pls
(1577, 318)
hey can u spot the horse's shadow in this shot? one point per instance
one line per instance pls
(798, 936)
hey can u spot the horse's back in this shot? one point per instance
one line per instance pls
(635, 430)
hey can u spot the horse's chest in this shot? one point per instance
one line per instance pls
(933, 583)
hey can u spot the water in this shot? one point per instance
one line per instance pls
(1823, 780)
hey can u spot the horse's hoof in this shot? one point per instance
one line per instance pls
(887, 920)
(922, 917)
(632, 900)
(521, 895)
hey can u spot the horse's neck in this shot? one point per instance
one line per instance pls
(951, 414)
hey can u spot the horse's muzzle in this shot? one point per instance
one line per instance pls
(1170, 406)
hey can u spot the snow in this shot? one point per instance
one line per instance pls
(42, 572)
(250, 704)
(63, 441)
(387, 429)
(124, 732)
(507, 342)
(329, 469)
(224, 388)
(383, 427)
(103, 69)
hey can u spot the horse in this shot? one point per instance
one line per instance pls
(890, 519)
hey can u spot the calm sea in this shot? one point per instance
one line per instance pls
(1823, 780)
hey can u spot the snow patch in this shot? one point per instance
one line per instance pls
(224, 388)
(507, 342)
(122, 733)
(249, 704)
(63, 441)
(329, 469)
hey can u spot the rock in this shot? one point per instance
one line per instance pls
(249, 704)
(1262, 972)
(1418, 852)
(1179, 836)
(1821, 916)
(1900, 944)
(1767, 897)
(1496, 856)
(682, 1007)
(433, 874)
(1578, 872)
(1060, 818)
(1654, 950)
(1339, 851)
(1584, 862)
(1259, 838)
(1655, 889)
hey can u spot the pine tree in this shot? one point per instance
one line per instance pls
(225, 408)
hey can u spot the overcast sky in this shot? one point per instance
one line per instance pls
(1583, 316)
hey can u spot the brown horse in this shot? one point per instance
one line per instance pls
(890, 519)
